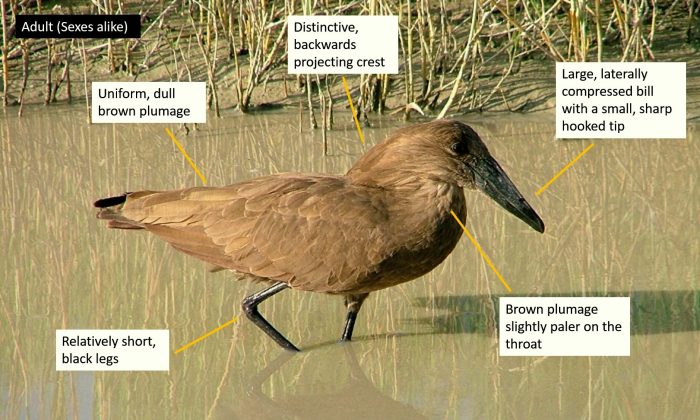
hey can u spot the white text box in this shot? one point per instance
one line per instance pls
(621, 100)
(343, 44)
(123, 350)
(149, 102)
(564, 326)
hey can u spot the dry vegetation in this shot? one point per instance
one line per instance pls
(455, 56)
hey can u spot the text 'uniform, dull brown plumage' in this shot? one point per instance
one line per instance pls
(385, 222)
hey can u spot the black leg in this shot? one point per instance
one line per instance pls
(353, 303)
(250, 307)
(349, 325)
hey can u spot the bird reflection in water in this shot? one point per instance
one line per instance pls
(342, 391)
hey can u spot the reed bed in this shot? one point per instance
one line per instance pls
(456, 56)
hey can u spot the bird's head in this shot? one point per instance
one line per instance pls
(442, 151)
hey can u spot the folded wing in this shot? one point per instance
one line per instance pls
(306, 230)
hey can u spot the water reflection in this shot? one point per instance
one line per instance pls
(342, 393)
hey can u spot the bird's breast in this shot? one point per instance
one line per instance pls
(425, 233)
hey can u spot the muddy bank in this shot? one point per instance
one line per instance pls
(453, 59)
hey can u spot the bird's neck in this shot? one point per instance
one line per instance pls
(421, 220)
(428, 197)
(416, 194)
(388, 167)
(405, 178)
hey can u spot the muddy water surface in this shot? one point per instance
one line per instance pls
(622, 222)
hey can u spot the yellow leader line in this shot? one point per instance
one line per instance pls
(214, 331)
(182, 150)
(481, 251)
(544, 187)
(354, 114)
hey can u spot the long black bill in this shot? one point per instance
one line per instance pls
(492, 180)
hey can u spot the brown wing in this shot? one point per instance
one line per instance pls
(314, 232)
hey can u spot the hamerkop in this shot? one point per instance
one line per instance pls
(385, 222)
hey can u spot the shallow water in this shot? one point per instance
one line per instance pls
(622, 222)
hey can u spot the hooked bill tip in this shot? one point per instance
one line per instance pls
(539, 226)
(528, 215)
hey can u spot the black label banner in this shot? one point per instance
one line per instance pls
(78, 26)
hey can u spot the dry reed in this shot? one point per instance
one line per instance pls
(449, 52)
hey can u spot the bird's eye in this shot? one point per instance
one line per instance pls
(459, 148)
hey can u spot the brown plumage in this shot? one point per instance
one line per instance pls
(385, 222)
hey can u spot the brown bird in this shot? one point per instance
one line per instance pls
(385, 222)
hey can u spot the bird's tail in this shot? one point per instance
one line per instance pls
(110, 210)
